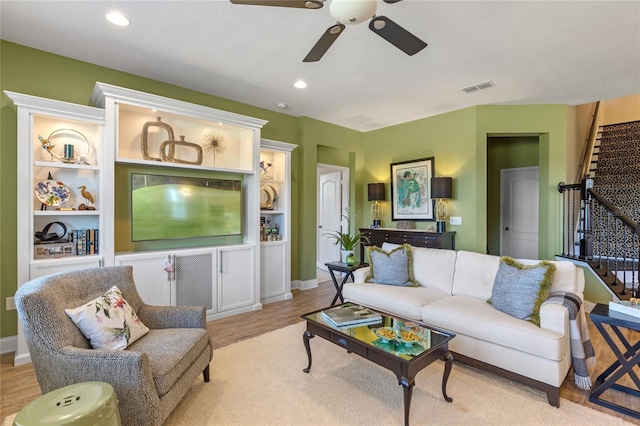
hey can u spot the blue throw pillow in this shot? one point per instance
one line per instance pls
(393, 268)
(519, 290)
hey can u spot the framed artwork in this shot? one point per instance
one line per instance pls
(411, 190)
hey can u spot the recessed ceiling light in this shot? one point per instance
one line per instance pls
(282, 105)
(118, 18)
(300, 84)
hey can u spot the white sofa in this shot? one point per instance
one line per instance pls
(453, 293)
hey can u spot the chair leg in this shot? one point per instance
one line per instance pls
(205, 373)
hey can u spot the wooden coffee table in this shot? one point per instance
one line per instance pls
(402, 359)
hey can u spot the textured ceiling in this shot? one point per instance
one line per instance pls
(535, 52)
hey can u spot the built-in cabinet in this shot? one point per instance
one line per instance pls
(220, 278)
(67, 158)
(275, 220)
(167, 134)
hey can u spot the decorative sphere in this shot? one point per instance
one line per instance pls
(350, 12)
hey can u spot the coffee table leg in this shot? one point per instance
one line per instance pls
(407, 386)
(305, 337)
(448, 363)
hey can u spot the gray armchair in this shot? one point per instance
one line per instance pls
(150, 377)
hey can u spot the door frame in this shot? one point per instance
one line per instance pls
(344, 199)
(502, 189)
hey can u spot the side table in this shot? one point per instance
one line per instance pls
(348, 272)
(601, 315)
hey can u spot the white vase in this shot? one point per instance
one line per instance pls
(346, 253)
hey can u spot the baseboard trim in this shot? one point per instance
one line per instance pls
(22, 359)
(304, 285)
(8, 344)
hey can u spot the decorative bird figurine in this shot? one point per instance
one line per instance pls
(87, 196)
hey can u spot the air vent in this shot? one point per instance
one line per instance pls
(477, 86)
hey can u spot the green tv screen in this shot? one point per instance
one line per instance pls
(175, 207)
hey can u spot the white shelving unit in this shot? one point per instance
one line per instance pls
(144, 128)
(59, 123)
(275, 216)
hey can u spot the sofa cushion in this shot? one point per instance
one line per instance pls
(167, 366)
(566, 276)
(519, 290)
(108, 321)
(475, 317)
(394, 267)
(406, 302)
(434, 267)
(474, 274)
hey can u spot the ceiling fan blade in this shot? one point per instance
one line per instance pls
(391, 1)
(325, 42)
(304, 4)
(396, 35)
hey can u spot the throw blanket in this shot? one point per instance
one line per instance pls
(582, 353)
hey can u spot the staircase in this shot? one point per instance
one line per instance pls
(615, 166)
(602, 214)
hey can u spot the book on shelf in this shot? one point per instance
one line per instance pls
(86, 241)
(625, 307)
(350, 314)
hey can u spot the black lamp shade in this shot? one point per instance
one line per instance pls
(441, 187)
(376, 191)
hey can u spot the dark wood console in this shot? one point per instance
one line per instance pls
(415, 237)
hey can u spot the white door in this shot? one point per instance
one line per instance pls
(519, 195)
(329, 206)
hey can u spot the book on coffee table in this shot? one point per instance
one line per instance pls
(350, 314)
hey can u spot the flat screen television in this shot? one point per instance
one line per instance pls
(179, 207)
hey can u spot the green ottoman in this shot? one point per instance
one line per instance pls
(90, 403)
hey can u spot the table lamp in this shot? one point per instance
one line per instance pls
(441, 189)
(376, 194)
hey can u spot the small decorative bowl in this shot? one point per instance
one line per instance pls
(408, 337)
(386, 334)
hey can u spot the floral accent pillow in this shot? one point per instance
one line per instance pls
(108, 321)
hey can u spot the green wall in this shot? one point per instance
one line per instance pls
(457, 140)
(450, 139)
(504, 153)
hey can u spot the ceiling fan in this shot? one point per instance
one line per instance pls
(349, 12)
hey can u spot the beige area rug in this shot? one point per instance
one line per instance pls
(260, 382)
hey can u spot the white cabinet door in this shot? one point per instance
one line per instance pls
(152, 281)
(236, 269)
(273, 269)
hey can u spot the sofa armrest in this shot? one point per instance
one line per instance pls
(360, 274)
(554, 317)
(158, 317)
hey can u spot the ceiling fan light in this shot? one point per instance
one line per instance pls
(352, 11)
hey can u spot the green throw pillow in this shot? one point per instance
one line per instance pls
(519, 290)
(393, 268)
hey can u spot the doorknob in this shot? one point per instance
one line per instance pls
(506, 228)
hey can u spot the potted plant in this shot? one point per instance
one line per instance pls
(347, 242)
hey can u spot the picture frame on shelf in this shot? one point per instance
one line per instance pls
(411, 190)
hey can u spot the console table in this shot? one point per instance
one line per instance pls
(414, 237)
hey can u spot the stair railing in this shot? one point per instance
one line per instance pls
(590, 144)
(596, 231)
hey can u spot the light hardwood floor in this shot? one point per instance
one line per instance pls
(18, 385)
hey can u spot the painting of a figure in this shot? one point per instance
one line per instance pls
(410, 190)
